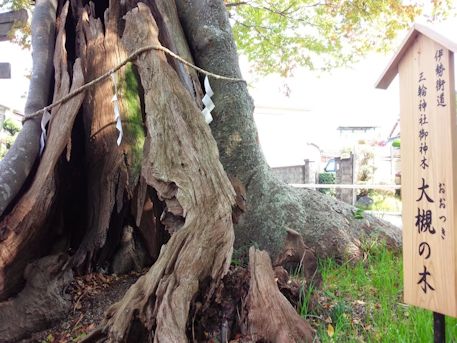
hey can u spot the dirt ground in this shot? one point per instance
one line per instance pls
(91, 295)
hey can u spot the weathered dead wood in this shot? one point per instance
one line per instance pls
(131, 254)
(271, 317)
(112, 170)
(296, 254)
(291, 289)
(147, 210)
(181, 161)
(240, 200)
(40, 303)
(23, 230)
(172, 36)
(18, 162)
(219, 320)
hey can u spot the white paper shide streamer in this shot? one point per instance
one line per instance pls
(117, 114)
(209, 104)
(44, 121)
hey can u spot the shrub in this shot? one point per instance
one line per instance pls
(327, 178)
(11, 126)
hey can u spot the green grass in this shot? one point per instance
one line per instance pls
(362, 302)
(383, 201)
(386, 203)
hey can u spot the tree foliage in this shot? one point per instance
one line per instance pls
(279, 35)
(11, 126)
(10, 130)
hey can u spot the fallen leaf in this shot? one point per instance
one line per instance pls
(78, 305)
(330, 330)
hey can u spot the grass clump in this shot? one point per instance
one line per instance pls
(386, 203)
(363, 302)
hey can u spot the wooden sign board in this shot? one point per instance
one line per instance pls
(428, 169)
(5, 71)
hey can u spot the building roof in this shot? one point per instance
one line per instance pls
(11, 110)
(356, 128)
(392, 69)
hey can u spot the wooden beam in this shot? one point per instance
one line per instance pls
(392, 69)
(8, 19)
(5, 71)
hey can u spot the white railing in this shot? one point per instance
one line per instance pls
(347, 186)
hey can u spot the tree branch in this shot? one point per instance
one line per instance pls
(235, 4)
(18, 162)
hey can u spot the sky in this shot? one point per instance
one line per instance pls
(315, 106)
(321, 103)
(14, 90)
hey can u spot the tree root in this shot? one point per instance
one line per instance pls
(40, 303)
(270, 317)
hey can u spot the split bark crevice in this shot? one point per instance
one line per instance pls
(108, 176)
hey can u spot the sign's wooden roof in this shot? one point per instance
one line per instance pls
(392, 69)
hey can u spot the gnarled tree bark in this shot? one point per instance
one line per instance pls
(181, 163)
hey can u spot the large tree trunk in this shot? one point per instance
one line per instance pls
(113, 207)
(327, 225)
(181, 163)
